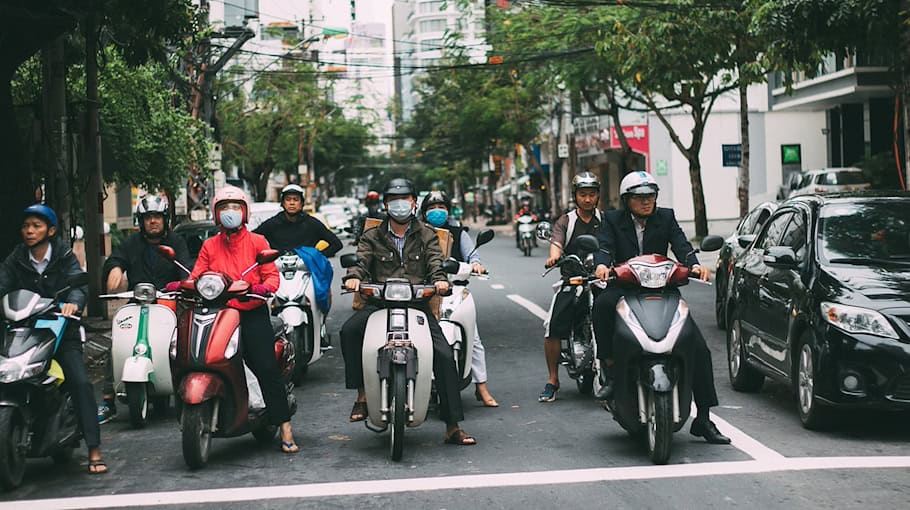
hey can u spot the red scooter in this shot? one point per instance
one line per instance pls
(207, 363)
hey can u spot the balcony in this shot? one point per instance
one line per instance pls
(839, 79)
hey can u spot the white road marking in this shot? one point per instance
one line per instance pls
(742, 441)
(497, 286)
(497, 480)
(529, 306)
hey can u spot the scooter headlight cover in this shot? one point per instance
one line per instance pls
(19, 368)
(210, 286)
(397, 292)
(653, 276)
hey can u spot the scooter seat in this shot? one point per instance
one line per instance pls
(277, 326)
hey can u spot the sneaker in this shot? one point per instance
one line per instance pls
(548, 394)
(107, 411)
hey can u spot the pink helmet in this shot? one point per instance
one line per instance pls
(230, 194)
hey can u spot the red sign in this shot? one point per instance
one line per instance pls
(637, 136)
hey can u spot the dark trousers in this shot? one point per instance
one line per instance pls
(702, 373)
(78, 385)
(259, 353)
(446, 381)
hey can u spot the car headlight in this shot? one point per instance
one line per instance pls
(653, 276)
(854, 319)
(232, 345)
(397, 292)
(19, 368)
(210, 286)
(144, 293)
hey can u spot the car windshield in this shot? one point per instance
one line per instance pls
(866, 231)
(841, 178)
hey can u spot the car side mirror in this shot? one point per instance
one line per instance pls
(587, 243)
(544, 231)
(349, 260)
(711, 243)
(484, 237)
(167, 252)
(780, 257)
(266, 256)
(744, 241)
(450, 266)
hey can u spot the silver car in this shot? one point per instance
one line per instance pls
(829, 180)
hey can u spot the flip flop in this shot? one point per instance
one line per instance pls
(359, 411)
(460, 438)
(95, 467)
(289, 447)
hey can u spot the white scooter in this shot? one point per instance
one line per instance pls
(397, 336)
(295, 303)
(142, 334)
(458, 314)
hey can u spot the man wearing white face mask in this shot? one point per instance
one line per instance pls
(402, 247)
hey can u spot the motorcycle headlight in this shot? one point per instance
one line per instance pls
(210, 286)
(144, 293)
(19, 368)
(653, 276)
(397, 292)
(232, 345)
(854, 319)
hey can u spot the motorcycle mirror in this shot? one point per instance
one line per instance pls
(587, 243)
(544, 231)
(166, 252)
(711, 243)
(450, 266)
(77, 280)
(266, 256)
(484, 237)
(349, 260)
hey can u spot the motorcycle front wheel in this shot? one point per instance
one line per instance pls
(399, 401)
(299, 337)
(660, 426)
(197, 436)
(138, 399)
(12, 453)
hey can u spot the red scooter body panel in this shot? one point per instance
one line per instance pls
(227, 321)
(197, 387)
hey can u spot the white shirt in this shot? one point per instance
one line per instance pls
(639, 232)
(41, 265)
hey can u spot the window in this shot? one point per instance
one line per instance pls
(430, 7)
(835, 178)
(433, 25)
(806, 180)
(795, 236)
(772, 232)
(431, 45)
(753, 221)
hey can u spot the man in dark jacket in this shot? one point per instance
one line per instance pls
(44, 265)
(402, 247)
(293, 227)
(136, 261)
(643, 228)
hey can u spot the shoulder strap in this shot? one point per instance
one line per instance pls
(570, 229)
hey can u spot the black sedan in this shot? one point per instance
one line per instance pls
(733, 247)
(821, 301)
(195, 233)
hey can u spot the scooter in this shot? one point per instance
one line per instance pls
(397, 338)
(653, 350)
(217, 393)
(142, 332)
(295, 304)
(458, 314)
(578, 352)
(526, 240)
(37, 419)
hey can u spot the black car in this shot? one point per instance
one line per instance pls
(733, 247)
(821, 301)
(194, 233)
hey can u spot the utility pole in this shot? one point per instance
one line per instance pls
(94, 197)
(55, 125)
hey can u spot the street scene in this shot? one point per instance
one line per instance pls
(455, 254)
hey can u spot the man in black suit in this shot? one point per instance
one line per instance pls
(643, 228)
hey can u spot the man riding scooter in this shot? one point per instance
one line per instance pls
(135, 261)
(402, 247)
(293, 227)
(638, 229)
(583, 220)
(374, 210)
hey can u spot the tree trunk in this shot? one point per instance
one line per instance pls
(698, 195)
(554, 200)
(743, 188)
(56, 136)
(263, 172)
(94, 208)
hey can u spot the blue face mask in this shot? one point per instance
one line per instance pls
(437, 217)
(231, 219)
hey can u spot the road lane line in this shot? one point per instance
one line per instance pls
(496, 480)
(529, 306)
(744, 442)
(497, 286)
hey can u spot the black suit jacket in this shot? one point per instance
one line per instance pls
(618, 242)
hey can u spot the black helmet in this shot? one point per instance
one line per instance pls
(435, 197)
(399, 186)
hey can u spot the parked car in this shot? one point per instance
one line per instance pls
(830, 180)
(733, 247)
(821, 301)
(195, 233)
(789, 185)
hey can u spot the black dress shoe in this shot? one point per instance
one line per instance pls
(707, 430)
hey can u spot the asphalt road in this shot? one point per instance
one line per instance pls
(530, 455)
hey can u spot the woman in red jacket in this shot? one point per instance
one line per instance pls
(230, 252)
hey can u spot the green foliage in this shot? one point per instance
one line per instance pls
(881, 170)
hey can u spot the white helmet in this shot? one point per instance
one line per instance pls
(291, 189)
(638, 183)
(154, 204)
(585, 180)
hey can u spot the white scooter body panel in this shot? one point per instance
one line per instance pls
(299, 289)
(374, 340)
(156, 368)
(458, 309)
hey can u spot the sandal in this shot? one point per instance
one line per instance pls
(461, 438)
(487, 402)
(97, 467)
(291, 447)
(359, 411)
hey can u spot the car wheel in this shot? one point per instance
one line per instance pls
(743, 377)
(812, 413)
(720, 299)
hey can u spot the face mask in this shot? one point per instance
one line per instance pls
(231, 219)
(437, 217)
(400, 210)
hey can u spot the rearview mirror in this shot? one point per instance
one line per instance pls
(746, 240)
(586, 243)
(711, 243)
(544, 231)
(484, 237)
(450, 266)
(266, 256)
(349, 260)
(780, 257)
(166, 252)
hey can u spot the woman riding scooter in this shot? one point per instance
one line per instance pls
(230, 252)
(435, 210)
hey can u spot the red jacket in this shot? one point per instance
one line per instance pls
(231, 256)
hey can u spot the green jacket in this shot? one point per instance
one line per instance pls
(379, 259)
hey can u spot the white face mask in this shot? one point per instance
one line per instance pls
(231, 219)
(401, 210)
